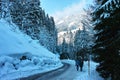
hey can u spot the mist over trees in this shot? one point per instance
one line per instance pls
(78, 42)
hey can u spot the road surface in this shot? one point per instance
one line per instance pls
(67, 72)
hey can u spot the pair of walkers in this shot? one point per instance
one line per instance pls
(79, 63)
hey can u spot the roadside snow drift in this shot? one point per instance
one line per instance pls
(20, 54)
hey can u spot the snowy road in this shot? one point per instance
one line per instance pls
(59, 74)
(68, 72)
(48, 75)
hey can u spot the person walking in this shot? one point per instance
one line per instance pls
(77, 64)
(81, 62)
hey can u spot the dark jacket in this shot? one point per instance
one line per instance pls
(77, 62)
(80, 61)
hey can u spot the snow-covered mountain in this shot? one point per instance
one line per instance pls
(18, 53)
(70, 22)
(75, 32)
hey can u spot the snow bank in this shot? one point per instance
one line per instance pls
(14, 42)
(21, 56)
(89, 73)
(13, 68)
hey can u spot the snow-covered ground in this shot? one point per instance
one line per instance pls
(84, 75)
(21, 56)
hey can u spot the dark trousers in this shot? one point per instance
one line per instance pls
(77, 67)
(81, 68)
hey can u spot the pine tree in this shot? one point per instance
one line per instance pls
(32, 20)
(64, 46)
(0, 9)
(82, 43)
(107, 44)
(4, 9)
(71, 45)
